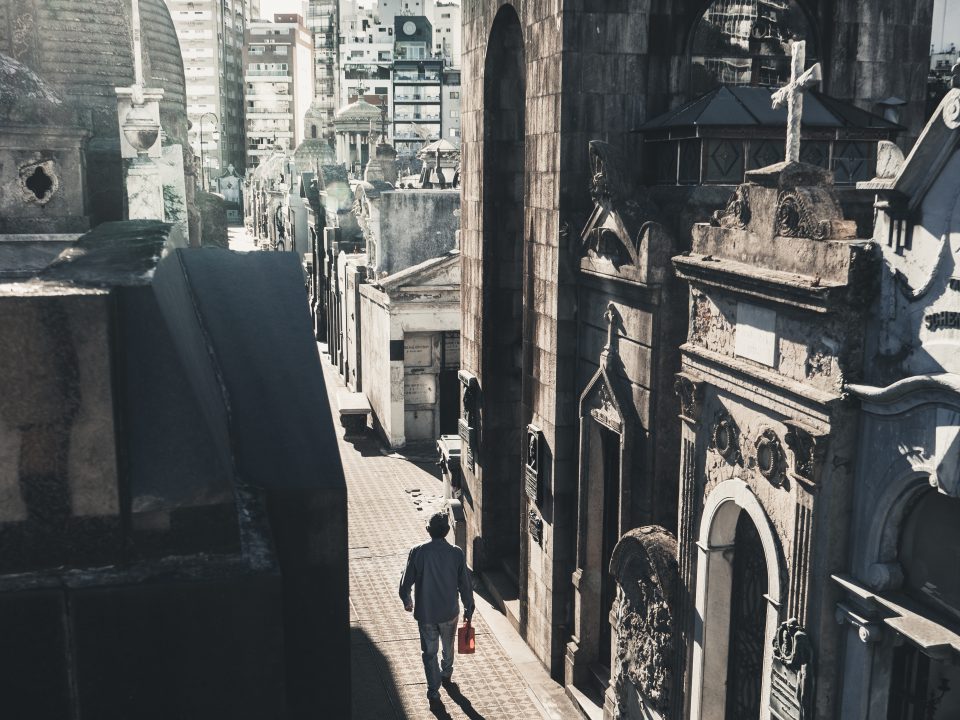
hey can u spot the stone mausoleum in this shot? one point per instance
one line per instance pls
(663, 567)
(172, 527)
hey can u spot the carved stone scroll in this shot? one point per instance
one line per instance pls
(690, 391)
(737, 213)
(808, 448)
(644, 563)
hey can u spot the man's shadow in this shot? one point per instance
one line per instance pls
(453, 692)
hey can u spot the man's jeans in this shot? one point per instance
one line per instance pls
(432, 636)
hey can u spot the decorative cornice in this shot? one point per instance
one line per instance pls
(909, 393)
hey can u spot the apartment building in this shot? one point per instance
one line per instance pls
(211, 35)
(278, 74)
(323, 21)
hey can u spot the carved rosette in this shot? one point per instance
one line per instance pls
(737, 213)
(771, 460)
(725, 439)
(794, 218)
(690, 391)
(644, 563)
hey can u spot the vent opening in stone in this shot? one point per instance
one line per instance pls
(39, 183)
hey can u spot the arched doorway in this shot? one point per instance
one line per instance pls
(502, 369)
(747, 608)
(738, 606)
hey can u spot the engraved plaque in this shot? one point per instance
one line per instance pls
(419, 389)
(418, 350)
(756, 334)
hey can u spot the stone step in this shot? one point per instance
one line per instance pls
(505, 594)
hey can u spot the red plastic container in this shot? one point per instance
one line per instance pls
(466, 644)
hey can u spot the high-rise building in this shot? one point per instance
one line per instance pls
(323, 20)
(366, 54)
(278, 60)
(211, 41)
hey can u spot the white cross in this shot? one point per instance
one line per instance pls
(138, 83)
(792, 94)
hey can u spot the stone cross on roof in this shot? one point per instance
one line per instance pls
(138, 83)
(792, 94)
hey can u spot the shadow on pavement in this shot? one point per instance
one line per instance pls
(374, 689)
(365, 444)
(453, 690)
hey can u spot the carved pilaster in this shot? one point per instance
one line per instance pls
(687, 553)
(800, 562)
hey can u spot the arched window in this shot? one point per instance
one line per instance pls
(747, 42)
(930, 552)
(923, 684)
(313, 131)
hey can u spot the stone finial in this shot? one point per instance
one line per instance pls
(612, 316)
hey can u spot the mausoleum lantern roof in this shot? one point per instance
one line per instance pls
(732, 130)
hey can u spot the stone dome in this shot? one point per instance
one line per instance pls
(313, 152)
(359, 111)
(25, 98)
(83, 51)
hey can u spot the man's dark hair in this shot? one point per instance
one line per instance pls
(439, 525)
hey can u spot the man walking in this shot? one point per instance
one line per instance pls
(438, 571)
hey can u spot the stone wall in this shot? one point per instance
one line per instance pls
(414, 226)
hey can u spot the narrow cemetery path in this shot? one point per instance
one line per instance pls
(390, 500)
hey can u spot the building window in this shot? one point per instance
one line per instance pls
(454, 94)
(747, 42)
(454, 113)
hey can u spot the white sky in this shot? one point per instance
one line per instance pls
(949, 31)
(269, 7)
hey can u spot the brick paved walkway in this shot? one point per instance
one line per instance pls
(390, 499)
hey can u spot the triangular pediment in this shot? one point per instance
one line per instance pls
(606, 401)
(440, 272)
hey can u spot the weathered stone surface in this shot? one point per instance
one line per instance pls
(644, 563)
(213, 210)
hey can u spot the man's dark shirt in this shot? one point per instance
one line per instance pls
(438, 571)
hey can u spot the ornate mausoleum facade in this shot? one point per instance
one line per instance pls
(664, 567)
